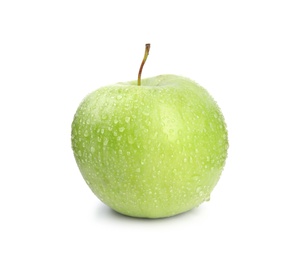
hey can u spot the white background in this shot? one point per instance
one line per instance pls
(250, 55)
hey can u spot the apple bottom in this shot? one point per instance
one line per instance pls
(152, 194)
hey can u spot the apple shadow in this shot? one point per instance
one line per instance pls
(105, 212)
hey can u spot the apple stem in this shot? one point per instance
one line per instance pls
(143, 62)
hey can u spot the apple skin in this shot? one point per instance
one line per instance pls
(150, 151)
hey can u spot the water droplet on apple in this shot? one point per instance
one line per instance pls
(138, 170)
(105, 142)
(119, 96)
(99, 139)
(130, 139)
(92, 149)
(102, 131)
(212, 127)
(86, 133)
(127, 119)
(116, 121)
(196, 177)
(121, 129)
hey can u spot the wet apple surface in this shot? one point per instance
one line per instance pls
(153, 150)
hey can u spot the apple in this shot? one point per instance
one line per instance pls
(150, 148)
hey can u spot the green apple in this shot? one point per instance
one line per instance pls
(151, 150)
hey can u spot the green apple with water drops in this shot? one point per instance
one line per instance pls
(150, 148)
